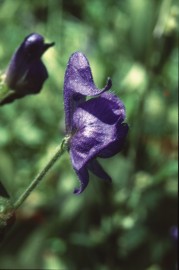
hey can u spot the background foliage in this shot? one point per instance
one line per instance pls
(126, 225)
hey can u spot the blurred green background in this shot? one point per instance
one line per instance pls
(126, 225)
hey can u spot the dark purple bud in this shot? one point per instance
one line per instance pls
(95, 126)
(26, 72)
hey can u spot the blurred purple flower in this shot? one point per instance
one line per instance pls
(174, 233)
(26, 72)
(95, 127)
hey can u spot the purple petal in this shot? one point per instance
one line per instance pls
(83, 176)
(78, 84)
(79, 78)
(97, 129)
(97, 169)
(108, 108)
(116, 146)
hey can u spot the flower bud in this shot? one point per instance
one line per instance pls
(26, 72)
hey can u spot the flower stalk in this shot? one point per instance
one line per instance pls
(58, 153)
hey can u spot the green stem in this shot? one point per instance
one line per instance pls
(60, 150)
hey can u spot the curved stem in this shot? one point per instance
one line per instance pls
(60, 150)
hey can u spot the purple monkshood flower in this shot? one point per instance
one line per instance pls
(95, 126)
(26, 72)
